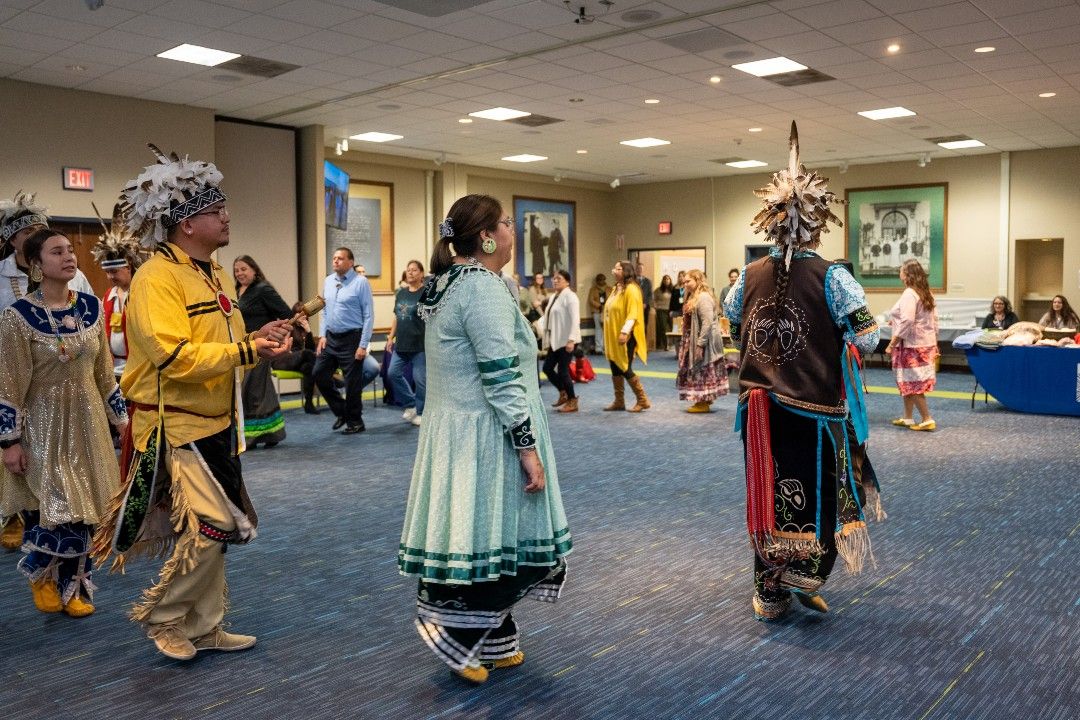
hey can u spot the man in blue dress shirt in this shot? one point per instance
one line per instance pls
(346, 324)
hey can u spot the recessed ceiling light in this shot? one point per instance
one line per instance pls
(465, 121)
(645, 142)
(376, 137)
(772, 66)
(582, 152)
(746, 164)
(894, 48)
(985, 49)
(652, 101)
(753, 130)
(524, 158)
(961, 144)
(198, 55)
(1047, 95)
(499, 113)
(886, 113)
(715, 79)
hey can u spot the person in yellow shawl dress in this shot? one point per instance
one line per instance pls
(624, 336)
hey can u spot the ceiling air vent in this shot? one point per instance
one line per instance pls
(259, 67)
(808, 76)
(950, 138)
(699, 41)
(432, 8)
(725, 161)
(535, 120)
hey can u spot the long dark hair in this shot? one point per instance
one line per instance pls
(1067, 315)
(250, 262)
(32, 250)
(918, 281)
(629, 273)
(468, 217)
(666, 284)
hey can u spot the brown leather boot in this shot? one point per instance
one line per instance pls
(563, 397)
(620, 392)
(570, 406)
(639, 393)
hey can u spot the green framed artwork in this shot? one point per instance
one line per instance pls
(887, 226)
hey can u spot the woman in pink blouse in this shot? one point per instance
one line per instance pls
(913, 345)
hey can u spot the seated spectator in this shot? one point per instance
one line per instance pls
(1001, 314)
(1060, 316)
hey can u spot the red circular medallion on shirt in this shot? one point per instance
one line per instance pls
(224, 303)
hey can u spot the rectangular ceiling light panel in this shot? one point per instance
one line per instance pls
(772, 66)
(198, 55)
(376, 137)
(499, 113)
(645, 142)
(886, 113)
(962, 144)
(742, 164)
(524, 158)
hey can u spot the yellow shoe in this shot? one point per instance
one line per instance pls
(903, 422)
(924, 426)
(77, 607)
(46, 596)
(812, 601)
(11, 539)
(475, 674)
(699, 407)
(514, 660)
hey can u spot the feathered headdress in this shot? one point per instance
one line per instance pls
(796, 205)
(167, 192)
(117, 246)
(19, 213)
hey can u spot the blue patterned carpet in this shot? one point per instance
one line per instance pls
(972, 611)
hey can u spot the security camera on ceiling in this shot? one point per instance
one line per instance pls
(615, 183)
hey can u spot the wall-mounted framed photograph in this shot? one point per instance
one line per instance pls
(887, 226)
(546, 237)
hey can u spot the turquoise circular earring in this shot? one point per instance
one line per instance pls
(488, 245)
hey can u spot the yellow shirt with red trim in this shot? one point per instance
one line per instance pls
(176, 330)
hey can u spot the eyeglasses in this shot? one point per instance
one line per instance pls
(222, 213)
(508, 222)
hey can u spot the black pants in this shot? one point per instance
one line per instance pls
(628, 373)
(557, 369)
(340, 352)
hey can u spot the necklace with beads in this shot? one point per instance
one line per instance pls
(69, 322)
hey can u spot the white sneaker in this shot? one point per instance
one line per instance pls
(416, 420)
(409, 414)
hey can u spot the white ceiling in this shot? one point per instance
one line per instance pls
(373, 65)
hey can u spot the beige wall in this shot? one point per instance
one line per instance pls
(46, 128)
(1043, 204)
(716, 212)
(259, 165)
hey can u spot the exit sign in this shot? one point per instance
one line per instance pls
(78, 178)
(663, 227)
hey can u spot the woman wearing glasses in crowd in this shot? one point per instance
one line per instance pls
(484, 523)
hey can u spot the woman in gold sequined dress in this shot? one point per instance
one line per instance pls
(57, 396)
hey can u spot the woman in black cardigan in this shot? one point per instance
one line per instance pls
(259, 304)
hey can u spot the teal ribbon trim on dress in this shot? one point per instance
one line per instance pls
(500, 379)
(506, 363)
(257, 427)
(483, 565)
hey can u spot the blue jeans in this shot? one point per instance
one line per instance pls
(400, 386)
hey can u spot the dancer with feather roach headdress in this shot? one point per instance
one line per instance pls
(800, 389)
(183, 497)
(119, 254)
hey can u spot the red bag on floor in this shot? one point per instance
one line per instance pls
(581, 370)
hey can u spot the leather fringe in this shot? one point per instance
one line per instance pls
(873, 507)
(185, 525)
(853, 546)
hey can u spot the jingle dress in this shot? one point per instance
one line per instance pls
(60, 403)
(800, 390)
(472, 535)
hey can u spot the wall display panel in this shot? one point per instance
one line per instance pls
(546, 237)
(370, 233)
(887, 226)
